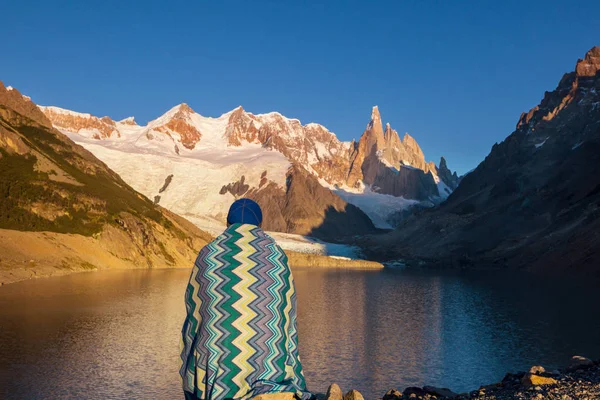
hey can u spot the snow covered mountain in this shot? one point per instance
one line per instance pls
(196, 166)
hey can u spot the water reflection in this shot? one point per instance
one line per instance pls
(377, 330)
(116, 334)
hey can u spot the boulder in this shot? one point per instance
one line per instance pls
(440, 392)
(334, 392)
(510, 378)
(537, 369)
(275, 396)
(580, 362)
(532, 380)
(353, 395)
(393, 394)
(492, 386)
(417, 391)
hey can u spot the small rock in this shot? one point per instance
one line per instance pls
(334, 392)
(417, 391)
(493, 386)
(510, 378)
(536, 380)
(537, 369)
(580, 362)
(445, 392)
(275, 396)
(353, 395)
(392, 394)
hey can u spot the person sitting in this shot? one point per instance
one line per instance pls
(239, 338)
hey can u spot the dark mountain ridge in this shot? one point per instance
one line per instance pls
(533, 203)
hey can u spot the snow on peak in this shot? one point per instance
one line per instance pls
(82, 124)
(10, 88)
(63, 111)
(128, 121)
(183, 107)
(274, 116)
(239, 110)
(180, 111)
(314, 125)
(375, 114)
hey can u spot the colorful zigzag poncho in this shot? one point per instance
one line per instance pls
(239, 336)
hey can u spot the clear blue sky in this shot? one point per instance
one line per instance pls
(454, 74)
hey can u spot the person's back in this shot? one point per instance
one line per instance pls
(240, 337)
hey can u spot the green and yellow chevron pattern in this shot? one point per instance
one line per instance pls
(239, 336)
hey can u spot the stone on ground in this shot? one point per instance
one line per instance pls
(353, 395)
(417, 391)
(442, 392)
(275, 396)
(536, 380)
(537, 369)
(334, 392)
(392, 394)
(579, 362)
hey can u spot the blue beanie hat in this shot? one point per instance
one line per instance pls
(244, 211)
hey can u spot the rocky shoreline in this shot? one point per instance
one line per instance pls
(579, 381)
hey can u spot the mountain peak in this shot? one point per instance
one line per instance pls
(443, 163)
(184, 108)
(237, 112)
(407, 138)
(13, 99)
(375, 116)
(590, 65)
(128, 121)
(375, 125)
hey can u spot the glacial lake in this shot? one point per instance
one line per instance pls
(115, 334)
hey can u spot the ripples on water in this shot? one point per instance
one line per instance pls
(114, 335)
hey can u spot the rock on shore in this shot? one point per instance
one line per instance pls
(579, 381)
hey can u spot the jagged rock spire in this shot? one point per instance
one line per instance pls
(375, 116)
(590, 65)
(443, 163)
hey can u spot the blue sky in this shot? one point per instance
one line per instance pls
(454, 74)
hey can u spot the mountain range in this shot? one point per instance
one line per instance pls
(308, 181)
(61, 209)
(533, 203)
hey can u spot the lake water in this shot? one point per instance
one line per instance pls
(114, 335)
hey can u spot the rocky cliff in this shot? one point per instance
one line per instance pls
(305, 207)
(396, 166)
(533, 203)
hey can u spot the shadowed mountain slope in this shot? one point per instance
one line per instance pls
(533, 203)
